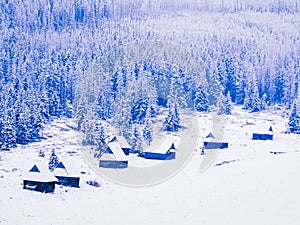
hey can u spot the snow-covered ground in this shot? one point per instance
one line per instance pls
(247, 184)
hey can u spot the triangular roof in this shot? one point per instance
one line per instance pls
(34, 169)
(66, 169)
(123, 142)
(210, 135)
(220, 138)
(271, 129)
(117, 151)
(40, 172)
(263, 129)
(61, 165)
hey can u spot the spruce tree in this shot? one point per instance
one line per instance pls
(172, 121)
(256, 102)
(200, 101)
(227, 104)
(147, 132)
(54, 161)
(136, 138)
(100, 137)
(294, 120)
(264, 101)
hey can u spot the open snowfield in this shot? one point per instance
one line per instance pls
(247, 184)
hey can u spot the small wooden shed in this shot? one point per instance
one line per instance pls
(210, 142)
(263, 134)
(67, 176)
(164, 151)
(114, 157)
(39, 178)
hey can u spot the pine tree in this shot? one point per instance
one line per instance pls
(136, 138)
(221, 109)
(54, 161)
(100, 137)
(256, 102)
(294, 120)
(200, 101)
(264, 101)
(247, 103)
(147, 132)
(227, 104)
(172, 121)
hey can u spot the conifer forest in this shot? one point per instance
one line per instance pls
(122, 61)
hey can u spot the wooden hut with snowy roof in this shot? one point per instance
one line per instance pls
(39, 178)
(263, 134)
(114, 157)
(164, 151)
(66, 175)
(211, 142)
(123, 143)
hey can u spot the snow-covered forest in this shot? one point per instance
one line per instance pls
(120, 60)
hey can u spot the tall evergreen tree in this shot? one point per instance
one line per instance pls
(294, 120)
(147, 132)
(256, 102)
(100, 137)
(172, 121)
(53, 161)
(200, 101)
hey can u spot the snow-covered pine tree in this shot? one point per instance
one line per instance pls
(147, 132)
(227, 104)
(53, 161)
(172, 121)
(136, 138)
(7, 135)
(264, 101)
(256, 102)
(100, 137)
(200, 101)
(247, 103)
(294, 120)
(221, 108)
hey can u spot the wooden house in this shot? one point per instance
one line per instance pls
(262, 134)
(39, 178)
(66, 175)
(164, 151)
(210, 142)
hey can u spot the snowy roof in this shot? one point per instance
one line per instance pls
(263, 129)
(40, 172)
(117, 151)
(67, 168)
(169, 142)
(213, 138)
(123, 142)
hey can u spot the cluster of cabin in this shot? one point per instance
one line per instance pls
(40, 178)
(211, 142)
(118, 149)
